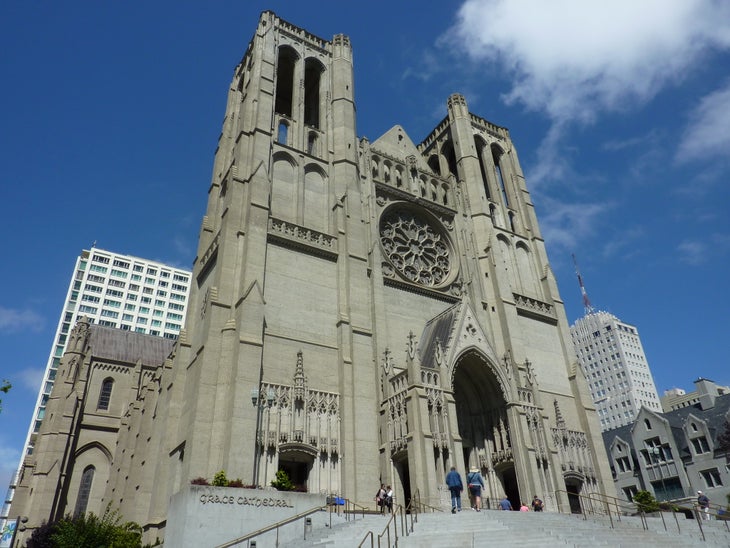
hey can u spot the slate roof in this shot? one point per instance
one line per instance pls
(108, 343)
(714, 417)
(439, 328)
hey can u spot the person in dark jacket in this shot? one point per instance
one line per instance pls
(456, 486)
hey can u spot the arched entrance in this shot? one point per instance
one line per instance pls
(297, 460)
(481, 411)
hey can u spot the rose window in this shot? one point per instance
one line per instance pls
(417, 248)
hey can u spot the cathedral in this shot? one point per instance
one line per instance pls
(360, 313)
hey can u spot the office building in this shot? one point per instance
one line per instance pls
(615, 366)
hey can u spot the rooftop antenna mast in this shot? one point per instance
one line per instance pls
(587, 306)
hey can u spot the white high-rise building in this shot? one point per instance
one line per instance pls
(615, 366)
(113, 290)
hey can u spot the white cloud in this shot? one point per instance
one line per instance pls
(572, 59)
(708, 131)
(692, 252)
(16, 320)
(30, 377)
(563, 224)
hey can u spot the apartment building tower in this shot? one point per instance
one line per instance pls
(615, 366)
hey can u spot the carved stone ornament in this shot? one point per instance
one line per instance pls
(416, 246)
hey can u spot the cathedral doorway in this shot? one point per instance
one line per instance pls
(481, 411)
(404, 476)
(574, 486)
(297, 465)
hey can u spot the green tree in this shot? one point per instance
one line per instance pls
(645, 502)
(5, 387)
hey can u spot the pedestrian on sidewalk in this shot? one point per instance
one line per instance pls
(524, 508)
(456, 486)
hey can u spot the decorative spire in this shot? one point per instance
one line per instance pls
(300, 381)
(559, 416)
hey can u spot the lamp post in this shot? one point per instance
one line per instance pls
(656, 451)
(260, 404)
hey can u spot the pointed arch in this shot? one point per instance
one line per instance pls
(283, 187)
(313, 71)
(285, 64)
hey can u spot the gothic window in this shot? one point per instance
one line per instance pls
(448, 151)
(82, 499)
(312, 143)
(700, 445)
(497, 155)
(106, 394)
(312, 77)
(433, 163)
(480, 146)
(282, 133)
(416, 246)
(285, 80)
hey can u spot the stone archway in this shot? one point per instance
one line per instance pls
(483, 422)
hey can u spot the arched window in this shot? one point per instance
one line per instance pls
(312, 143)
(499, 172)
(285, 80)
(312, 75)
(283, 133)
(82, 499)
(480, 146)
(647, 424)
(106, 394)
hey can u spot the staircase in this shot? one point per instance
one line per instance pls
(494, 528)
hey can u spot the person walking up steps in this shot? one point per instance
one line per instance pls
(455, 485)
(537, 504)
(476, 484)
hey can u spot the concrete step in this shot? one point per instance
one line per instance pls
(527, 530)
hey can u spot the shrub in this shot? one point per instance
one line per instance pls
(282, 481)
(88, 531)
(199, 481)
(220, 479)
(238, 482)
(645, 502)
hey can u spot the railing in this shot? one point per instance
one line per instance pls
(278, 525)
(410, 512)
(586, 506)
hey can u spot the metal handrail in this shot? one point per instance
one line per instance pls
(276, 526)
(585, 510)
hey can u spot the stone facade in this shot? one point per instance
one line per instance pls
(361, 312)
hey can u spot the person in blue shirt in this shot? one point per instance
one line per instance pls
(505, 504)
(455, 485)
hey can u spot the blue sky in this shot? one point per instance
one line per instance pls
(620, 112)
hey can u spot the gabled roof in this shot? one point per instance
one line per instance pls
(397, 144)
